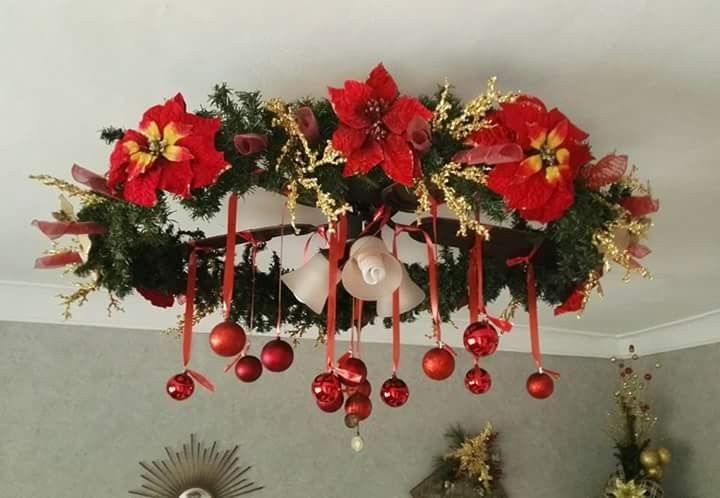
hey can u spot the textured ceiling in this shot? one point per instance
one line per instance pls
(642, 77)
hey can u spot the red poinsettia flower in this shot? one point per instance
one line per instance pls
(171, 150)
(373, 130)
(540, 186)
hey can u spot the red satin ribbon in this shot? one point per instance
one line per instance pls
(188, 321)
(320, 232)
(532, 309)
(476, 298)
(56, 229)
(57, 260)
(395, 318)
(356, 328)
(95, 182)
(337, 249)
(380, 217)
(230, 238)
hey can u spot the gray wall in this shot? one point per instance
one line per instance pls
(688, 400)
(81, 406)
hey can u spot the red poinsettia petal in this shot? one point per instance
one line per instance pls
(574, 133)
(141, 190)
(580, 155)
(180, 101)
(493, 135)
(607, 170)
(398, 163)
(157, 298)
(346, 140)
(533, 193)
(574, 302)
(362, 160)
(349, 103)
(207, 171)
(383, 84)
(171, 110)
(554, 208)
(518, 114)
(501, 178)
(640, 206)
(402, 112)
(176, 177)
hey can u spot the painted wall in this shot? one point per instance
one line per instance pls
(688, 400)
(81, 406)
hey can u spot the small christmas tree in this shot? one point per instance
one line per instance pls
(640, 468)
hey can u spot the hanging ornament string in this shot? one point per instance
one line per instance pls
(336, 241)
(357, 327)
(189, 317)
(395, 317)
(476, 295)
(230, 239)
(278, 322)
(532, 308)
(432, 281)
(321, 232)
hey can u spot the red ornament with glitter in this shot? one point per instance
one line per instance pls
(478, 380)
(354, 366)
(248, 368)
(180, 387)
(394, 392)
(277, 355)
(540, 385)
(438, 363)
(481, 339)
(326, 387)
(358, 405)
(227, 339)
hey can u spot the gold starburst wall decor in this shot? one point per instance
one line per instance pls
(196, 471)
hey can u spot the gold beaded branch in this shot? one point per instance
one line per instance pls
(458, 204)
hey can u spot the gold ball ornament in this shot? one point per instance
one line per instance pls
(649, 459)
(665, 456)
(654, 473)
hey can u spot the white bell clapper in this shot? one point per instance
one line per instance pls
(371, 272)
(411, 296)
(309, 283)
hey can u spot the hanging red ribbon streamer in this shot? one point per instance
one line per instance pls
(532, 309)
(188, 320)
(395, 318)
(230, 238)
(96, 183)
(336, 242)
(58, 260)
(56, 229)
(476, 298)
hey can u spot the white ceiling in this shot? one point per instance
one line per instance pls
(642, 77)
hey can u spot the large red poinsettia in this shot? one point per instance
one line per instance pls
(374, 126)
(171, 150)
(540, 187)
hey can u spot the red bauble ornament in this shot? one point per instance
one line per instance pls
(326, 388)
(352, 365)
(248, 368)
(363, 388)
(331, 406)
(180, 387)
(359, 405)
(394, 392)
(438, 363)
(227, 339)
(480, 339)
(277, 355)
(540, 385)
(478, 380)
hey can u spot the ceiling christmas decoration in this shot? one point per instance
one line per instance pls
(534, 213)
(196, 471)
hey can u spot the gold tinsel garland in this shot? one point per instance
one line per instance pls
(606, 241)
(298, 152)
(474, 457)
(459, 205)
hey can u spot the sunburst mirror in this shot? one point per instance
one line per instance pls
(196, 471)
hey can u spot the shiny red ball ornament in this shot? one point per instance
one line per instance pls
(227, 339)
(481, 339)
(180, 387)
(478, 380)
(359, 405)
(277, 355)
(248, 368)
(540, 385)
(394, 392)
(326, 388)
(438, 363)
(352, 365)
(363, 388)
(332, 405)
